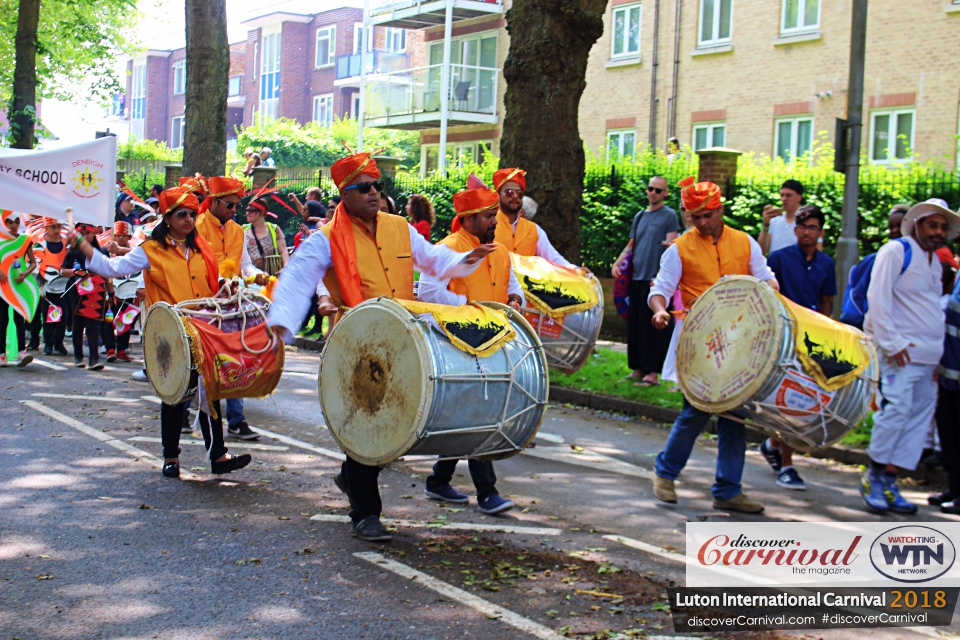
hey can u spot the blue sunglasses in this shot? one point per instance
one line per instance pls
(364, 187)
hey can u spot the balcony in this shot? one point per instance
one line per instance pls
(418, 14)
(378, 61)
(411, 99)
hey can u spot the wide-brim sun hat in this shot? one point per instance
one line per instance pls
(930, 207)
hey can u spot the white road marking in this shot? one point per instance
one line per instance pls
(660, 552)
(153, 399)
(233, 444)
(550, 437)
(300, 443)
(48, 365)
(76, 397)
(465, 526)
(590, 459)
(449, 591)
(102, 437)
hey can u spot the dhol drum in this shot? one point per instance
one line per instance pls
(564, 307)
(127, 289)
(784, 368)
(225, 339)
(392, 383)
(56, 287)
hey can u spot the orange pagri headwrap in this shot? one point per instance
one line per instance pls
(121, 228)
(471, 202)
(197, 183)
(47, 222)
(221, 186)
(699, 196)
(503, 176)
(346, 169)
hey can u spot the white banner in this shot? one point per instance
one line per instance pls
(46, 182)
(753, 554)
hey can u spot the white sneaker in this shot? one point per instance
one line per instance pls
(24, 359)
(140, 375)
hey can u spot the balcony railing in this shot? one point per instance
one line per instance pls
(417, 14)
(417, 91)
(378, 61)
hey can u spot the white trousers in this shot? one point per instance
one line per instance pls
(909, 399)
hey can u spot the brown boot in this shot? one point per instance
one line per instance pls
(739, 502)
(663, 489)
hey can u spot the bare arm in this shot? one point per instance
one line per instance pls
(623, 254)
(826, 305)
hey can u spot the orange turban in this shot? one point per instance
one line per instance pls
(121, 228)
(471, 202)
(699, 196)
(221, 186)
(48, 222)
(346, 169)
(178, 197)
(197, 184)
(503, 176)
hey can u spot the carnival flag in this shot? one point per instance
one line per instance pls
(23, 297)
(46, 182)
(85, 286)
(125, 318)
(54, 313)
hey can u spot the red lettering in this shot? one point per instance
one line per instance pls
(721, 541)
(813, 556)
(853, 545)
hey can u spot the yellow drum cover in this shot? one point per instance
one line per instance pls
(729, 343)
(166, 353)
(373, 386)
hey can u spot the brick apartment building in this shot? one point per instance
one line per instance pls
(304, 67)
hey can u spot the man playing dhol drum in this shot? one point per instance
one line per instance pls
(474, 226)
(693, 263)
(361, 254)
(217, 226)
(178, 265)
(514, 231)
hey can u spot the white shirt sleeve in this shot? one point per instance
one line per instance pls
(297, 284)
(514, 287)
(432, 289)
(118, 266)
(438, 260)
(322, 290)
(758, 264)
(668, 278)
(246, 264)
(880, 299)
(546, 251)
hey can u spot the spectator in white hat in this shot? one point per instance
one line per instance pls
(905, 320)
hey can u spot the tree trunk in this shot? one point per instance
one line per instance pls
(22, 114)
(545, 71)
(208, 72)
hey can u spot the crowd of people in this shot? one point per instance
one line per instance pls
(903, 297)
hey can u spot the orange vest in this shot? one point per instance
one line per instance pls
(704, 263)
(171, 278)
(46, 258)
(225, 240)
(491, 279)
(386, 262)
(523, 241)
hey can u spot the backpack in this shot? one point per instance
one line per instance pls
(854, 307)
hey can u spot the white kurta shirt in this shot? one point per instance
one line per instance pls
(435, 290)
(137, 260)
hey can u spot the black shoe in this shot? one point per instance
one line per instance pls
(937, 499)
(242, 431)
(95, 365)
(371, 530)
(48, 349)
(60, 349)
(171, 469)
(79, 364)
(930, 458)
(951, 507)
(33, 347)
(232, 464)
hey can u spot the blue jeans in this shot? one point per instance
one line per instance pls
(731, 450)
(234, 411)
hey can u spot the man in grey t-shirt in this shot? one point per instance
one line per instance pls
(651, 232)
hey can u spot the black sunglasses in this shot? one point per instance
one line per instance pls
(229, 205)
(183, 213)
(364, 187)
(655, 189)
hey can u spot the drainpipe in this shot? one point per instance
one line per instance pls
(445, 89)
(652, 139)
(672, 117)
(363, 75)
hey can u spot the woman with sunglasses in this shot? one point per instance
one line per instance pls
(265, 242)
(178, 265)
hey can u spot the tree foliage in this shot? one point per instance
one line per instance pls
(135, 149)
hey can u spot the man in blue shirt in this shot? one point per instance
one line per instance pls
(808, 278)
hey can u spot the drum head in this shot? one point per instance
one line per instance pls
(373, 382)
(57, 286)
(729, 343)
(127, 289)
(166, 353)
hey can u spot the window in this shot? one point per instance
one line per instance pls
(709, 135)
(355, 106)
(358, 34)
(234, 86)
(716, 17)
(793, 138)
(323, 109)
(139, 91)
(473, 80)
(458, 155)
(626, 31)
(270, 76)
(176, 132)
(396, 40)
(326, 46)
(891, 135)
(179, 77)
(800, 15)
(621, 144)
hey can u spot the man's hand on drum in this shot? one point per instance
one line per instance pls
(661, 319)
(901, 358)
(326, 307)
(513, 300)
(480, 253)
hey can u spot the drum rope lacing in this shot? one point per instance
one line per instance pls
(218, 315)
